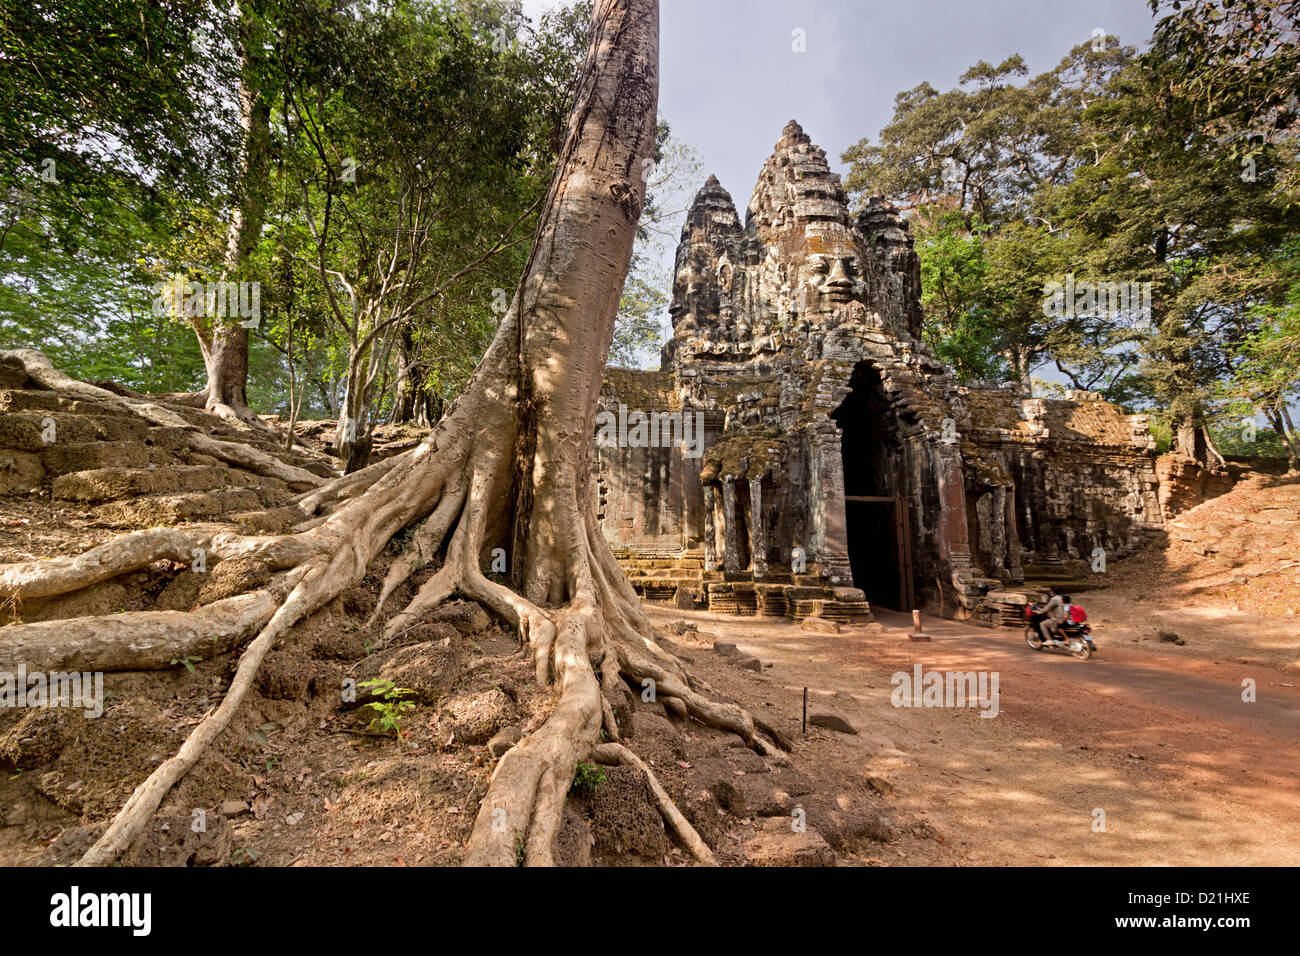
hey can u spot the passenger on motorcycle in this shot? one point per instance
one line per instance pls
(1055, 611)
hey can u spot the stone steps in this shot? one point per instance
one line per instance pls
(37, 431)
(151, 510)
(16, 400)
(110, 484)
(64, 458)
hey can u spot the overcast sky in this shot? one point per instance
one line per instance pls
(729, 79)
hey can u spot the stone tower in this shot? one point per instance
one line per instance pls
(838, 454)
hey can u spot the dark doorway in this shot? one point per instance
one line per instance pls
(876, 509)
(873, 551)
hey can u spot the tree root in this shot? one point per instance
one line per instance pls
(600, 630)
(51, 577)
(599, 635)
(618, 754)
(424, 546)
(148, 796)
(139, 640)
(512, 466)
(347, 486)
(525, 797)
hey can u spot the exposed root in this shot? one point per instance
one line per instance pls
(348, 486)
(618, 754)
(611, 684)
(53, 576)
(510, 462)
(525, 798)
(188, 399)
(432, 593)
(423, 547)
(713, 713)
(144, 802)
(33, 580)
(245, 456)
(139, 640)
(242, 416)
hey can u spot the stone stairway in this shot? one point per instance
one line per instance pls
(657, 576)
(97, 462)
(1068, 577)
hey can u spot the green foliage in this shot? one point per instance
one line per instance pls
(1175, 167)
(1265, 357)
(114, 94)
(187, 662)
(452, 112)
(959, 328)
(390, 709)
(587, 778)
(244, 856)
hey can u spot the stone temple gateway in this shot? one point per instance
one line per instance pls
(840, 464)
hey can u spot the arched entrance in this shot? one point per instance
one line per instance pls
(877, 500)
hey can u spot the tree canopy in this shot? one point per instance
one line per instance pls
(1160, 186)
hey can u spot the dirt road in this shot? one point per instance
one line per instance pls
(1184, 770)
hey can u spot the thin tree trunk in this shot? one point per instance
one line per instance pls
(414, 404)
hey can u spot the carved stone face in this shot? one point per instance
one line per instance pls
(834, 279)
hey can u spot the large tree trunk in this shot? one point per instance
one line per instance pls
(1191, 437)
(225, 353)
(507, 466)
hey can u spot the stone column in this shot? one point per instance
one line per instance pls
(710, 548)
(1013, 537)
(954, 537)
(730, 551)
(695, 513)
(757, 528)
(828, 528)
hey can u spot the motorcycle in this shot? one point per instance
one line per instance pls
(1076, 638)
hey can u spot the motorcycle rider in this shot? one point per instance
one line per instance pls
(1055, 612)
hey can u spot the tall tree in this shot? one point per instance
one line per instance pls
(508, 466)
(971, 163)
(225, 340)
(1168, 195)
(109, 132)
(415, 162)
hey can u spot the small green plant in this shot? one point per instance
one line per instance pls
(587, 778)
(187, 661)
(390, 708)
(244, 856)
(397, 543)
(259, 736)
(520, 845)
